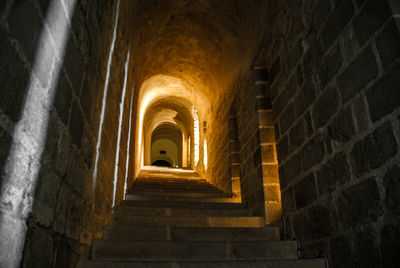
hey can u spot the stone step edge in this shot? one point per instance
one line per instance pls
(180, 194)
(179, 199)
(319, 261)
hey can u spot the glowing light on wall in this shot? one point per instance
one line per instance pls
(22, 166)
(205, 155)
(128, 145)
(121, 114)
(189, 148)
(196, 136)
(103, 104)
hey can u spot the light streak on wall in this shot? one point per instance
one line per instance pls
(196, 136)
(121, 114)
(205, 155)
(104, 101)
(22, 166)
(128, 145)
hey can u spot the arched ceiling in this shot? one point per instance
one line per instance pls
(204, 43)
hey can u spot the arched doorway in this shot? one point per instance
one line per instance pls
(166, 146)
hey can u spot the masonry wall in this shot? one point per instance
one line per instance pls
(334, 83)
(58, 210)
(249, 142)
(218, 146)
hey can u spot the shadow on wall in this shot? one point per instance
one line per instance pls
(48, 128)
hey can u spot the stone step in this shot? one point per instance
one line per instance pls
(194, 194)
(179, 251)
(303, 263)
(182, 199)
(196, 204)
(123, 211)
(190, 233)
(142, 186)
(171, 180)
(197, 221)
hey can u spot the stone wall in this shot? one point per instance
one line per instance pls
(53, 202)
(334, 83)
(218, 146)
(249, 140)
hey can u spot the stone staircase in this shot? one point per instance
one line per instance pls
(177, 222)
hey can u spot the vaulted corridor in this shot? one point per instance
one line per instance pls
(210, 133)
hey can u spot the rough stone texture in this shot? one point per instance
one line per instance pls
(333, 83)
(348, 104)
(53, 217)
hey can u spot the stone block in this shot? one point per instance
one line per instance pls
(287, 118)
(296, 136)
(260, 74)
(341, 128)
(42, 214)
(330, 66)
(367, 249)
(305, 191)
(361, 115)
(312, 58)
(313, 152)
(326, 106)
(235, 171)
(87, 100)
(66, 253)
(372, 16)
(47, 188)
(12, 232)
(288, 201)
(374, 150)
(299, 75)
(360, 204)
(270, 173)
(282, 149)
(5, 141)
(388, 43)
(267, 135)
(337, 21)
(63, 99)
(263, 103)
(76, 124)
(308, 125)
(349, 44)
(293, 168)
(392, 189)
(272, 193)
(305, 97)
(314, 223)
(282, 177)
(352, 81)
(232, 123)
(74, 65)
(390, 245)
(235, 158)
(342, 252)
(275, 70)
(333, 173)
(273, 212)
(268, 154)
(14, 78)
(294, 56)
(27, 30)
(261, 90)
(39, 248)
(384, 97)
(265, 118)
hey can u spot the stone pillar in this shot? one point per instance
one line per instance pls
(234, 145)
(272, 195)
